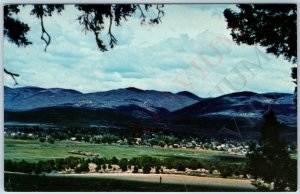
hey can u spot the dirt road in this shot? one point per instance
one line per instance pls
(173, 179)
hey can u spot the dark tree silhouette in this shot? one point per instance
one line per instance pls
(271, 129)
(14, 29)
(273, 26)
(270, 164)
(41, 11)
(294, 76)
(92, 18)
(123, 164)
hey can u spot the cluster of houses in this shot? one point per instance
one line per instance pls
(231, 146)
(242, 149)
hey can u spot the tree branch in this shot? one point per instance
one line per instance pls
(142, 14)
(13, 75)
(160, 14)
(45, 32)
(113, 40)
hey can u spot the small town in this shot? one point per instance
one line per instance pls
(154, 140)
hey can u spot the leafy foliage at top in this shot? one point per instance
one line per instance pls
(14, 29)
(92, 18)
(273, 26)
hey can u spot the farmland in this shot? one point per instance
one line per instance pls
(33, 151)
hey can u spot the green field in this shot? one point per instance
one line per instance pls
(33, 151)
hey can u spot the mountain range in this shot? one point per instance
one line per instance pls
(28, 98)
(240, 112)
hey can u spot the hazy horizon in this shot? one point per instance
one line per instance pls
(16, 87)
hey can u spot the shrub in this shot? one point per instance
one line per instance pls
(50, 140)
(42, 139)
(146, 169)
(104, 167)
(84, 167)
(135, 169)
(114, 160)
(169, 163)
(192, 164)
(98, 168)
(24, 166)
(226, 171)
(38, 168)
(123, 164)
(134, 161)
(180, 165)
(9, 165)
(98, 161)
(109, 138)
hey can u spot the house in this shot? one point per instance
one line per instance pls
(175, 146)
(138, 141)
(119, 141)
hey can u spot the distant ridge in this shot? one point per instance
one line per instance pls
(189, 94)
(120, 108)
(27, 98)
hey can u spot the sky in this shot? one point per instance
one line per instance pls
(190, 50)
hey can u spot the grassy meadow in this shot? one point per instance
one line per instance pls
(33, 151)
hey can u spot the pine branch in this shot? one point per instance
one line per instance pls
(113, 40)
(45, 32)
(13, 75)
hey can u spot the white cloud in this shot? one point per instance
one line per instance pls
(192, 41)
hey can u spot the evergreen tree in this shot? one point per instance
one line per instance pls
(135, 169)
(146, 168)
(270, 164)
(273, 26)
(104, 167)
(123, 164)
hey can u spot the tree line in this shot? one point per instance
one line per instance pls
(145, 163)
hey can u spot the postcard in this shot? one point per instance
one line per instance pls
(150, 97)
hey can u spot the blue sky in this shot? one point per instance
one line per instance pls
(190, 50)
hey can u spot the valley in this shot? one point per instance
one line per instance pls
(137, 135)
